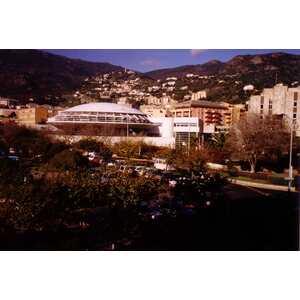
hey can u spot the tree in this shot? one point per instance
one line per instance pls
(254, 138)
(194, 163)
(68, 160)
(218, 140)
(26, 141)
(127, 149)
(3, 147)
(100, 148)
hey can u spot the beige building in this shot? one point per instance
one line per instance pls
(213, 115)
(32, 116)
(199, 95)
(279, 100)
(237, 112)
(154, 111)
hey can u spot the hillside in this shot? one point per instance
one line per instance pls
(43, 76)
(225, 81)
(54, 79)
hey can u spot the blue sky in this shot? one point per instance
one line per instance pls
(149, 59)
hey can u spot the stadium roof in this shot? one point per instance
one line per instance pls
(105, 107)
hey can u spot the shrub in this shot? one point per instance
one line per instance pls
(68, 160)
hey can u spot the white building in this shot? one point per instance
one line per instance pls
(199, 95)
(117, 123)
(179, 131)
(279, 100)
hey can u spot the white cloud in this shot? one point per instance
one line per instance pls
(196, 52)
(151, 62)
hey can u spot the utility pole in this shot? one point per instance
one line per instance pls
(290, 178)
(189, 136)
(127, 128)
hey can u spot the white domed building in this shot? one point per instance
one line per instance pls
(104, 119)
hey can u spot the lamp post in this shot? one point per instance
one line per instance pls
(290, 178)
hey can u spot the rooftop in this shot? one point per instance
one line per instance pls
(201, 103)
(104, 107)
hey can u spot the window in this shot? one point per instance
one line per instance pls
(294, 116)
(295, 103)
(295, 96)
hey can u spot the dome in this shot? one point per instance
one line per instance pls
(100, 112)
(104, 107)
(103, 119)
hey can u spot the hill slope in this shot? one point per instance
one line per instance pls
(226, 80)
(44, 76)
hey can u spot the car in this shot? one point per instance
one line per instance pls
(13, 157)
(189, 209)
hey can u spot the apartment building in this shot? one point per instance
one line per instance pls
(8, 103)
(279, 100)
(199, 95)
(32, 116)
(212, 115)
(154, 111)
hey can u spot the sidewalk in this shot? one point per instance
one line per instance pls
(266, 186)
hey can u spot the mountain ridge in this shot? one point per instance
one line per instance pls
(35, 74)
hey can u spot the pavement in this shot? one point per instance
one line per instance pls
(261, 185)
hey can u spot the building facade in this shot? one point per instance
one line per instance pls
(212, 115)
(32, 116)
(180, 132)
(279, 100)
(199, 95)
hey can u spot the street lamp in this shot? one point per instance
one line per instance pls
(290, 177)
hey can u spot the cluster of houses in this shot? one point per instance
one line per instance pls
(177, 122)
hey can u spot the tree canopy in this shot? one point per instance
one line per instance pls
(254, 138)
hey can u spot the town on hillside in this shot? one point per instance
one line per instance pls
(181, 159)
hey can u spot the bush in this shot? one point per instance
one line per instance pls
(90, 145)
(68, 160)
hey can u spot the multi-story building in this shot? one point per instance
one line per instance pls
(179, 132)
(212, 115)
(237, 112)
(199, 95)
(279, 100)
(153, 111)
(7, 103)
(32, 116)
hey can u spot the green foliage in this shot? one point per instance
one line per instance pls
(3, 146)
(94, 146)
(25, 141)
(39, 204)
(218, 140)
(194, 163)
(68, 160)
(127, 149)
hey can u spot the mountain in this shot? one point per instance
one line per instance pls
(54, 79)
(43, 76)
(225, 80)
(286, 65)
(210, 68)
